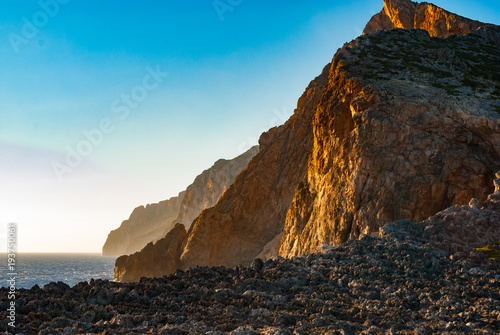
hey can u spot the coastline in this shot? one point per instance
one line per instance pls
(396, 282)
(71, 268)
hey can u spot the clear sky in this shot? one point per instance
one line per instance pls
(108, 105)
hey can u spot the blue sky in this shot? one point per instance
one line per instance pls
(231, 75)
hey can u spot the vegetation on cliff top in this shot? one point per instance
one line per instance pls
(460, 65)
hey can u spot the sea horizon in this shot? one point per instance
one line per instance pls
(54, 253)
(46, 267)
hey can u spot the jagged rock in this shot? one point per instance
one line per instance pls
(382, 139)
(493, 201)
(407, 14)
(150, 223)
(58, 288)
(155, 260)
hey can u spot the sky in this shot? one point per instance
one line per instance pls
(106, 106)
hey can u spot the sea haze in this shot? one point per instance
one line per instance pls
(71, 268)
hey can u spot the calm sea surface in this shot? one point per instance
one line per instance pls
(42, 269)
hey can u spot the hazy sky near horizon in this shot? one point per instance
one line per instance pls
(105, 106)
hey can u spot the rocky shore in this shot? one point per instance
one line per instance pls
(410, 278)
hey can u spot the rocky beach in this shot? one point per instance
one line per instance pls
(410, 278)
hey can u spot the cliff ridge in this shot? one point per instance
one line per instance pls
(151, 223)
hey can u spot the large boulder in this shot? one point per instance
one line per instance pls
(155, 260)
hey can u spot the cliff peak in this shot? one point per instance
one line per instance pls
(407, 14)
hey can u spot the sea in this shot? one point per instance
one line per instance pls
(40, 269)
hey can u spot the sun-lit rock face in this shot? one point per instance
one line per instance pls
(401, 125)
(394, 129)
(411, 15)
(407, 126)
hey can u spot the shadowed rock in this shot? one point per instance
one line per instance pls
(155, 260)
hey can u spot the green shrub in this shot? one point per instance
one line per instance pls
(493, 251)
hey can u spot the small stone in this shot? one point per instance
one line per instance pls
(260, 312)
(475, 203)
(243, 330)
(257, 264)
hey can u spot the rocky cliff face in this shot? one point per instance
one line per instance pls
(400, 125)
(408, 126)
(131, 268)
(143, 225)
(150, 223)
(209, 186)
(407, 14)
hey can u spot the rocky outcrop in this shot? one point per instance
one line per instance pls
(209, 186)
(382, 139)
(408, 126)
(150, 223)
(143, 226)
(154, 260)
(400, 125)
(407, 14)
(461, 230)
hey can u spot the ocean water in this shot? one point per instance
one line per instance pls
(42, 269)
